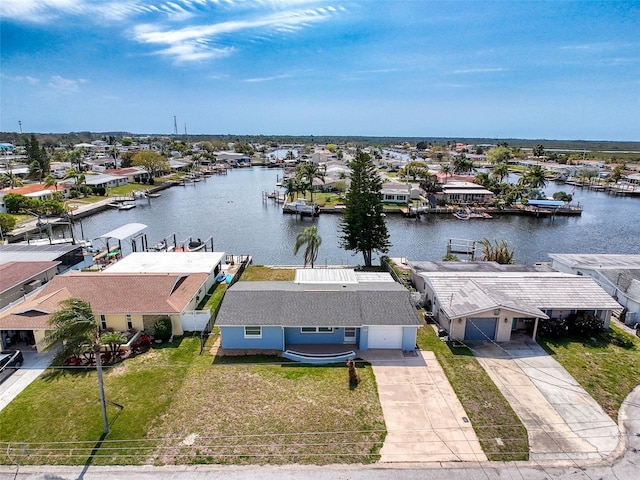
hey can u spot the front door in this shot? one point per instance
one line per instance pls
(349, 335)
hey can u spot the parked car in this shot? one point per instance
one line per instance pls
(10, 361)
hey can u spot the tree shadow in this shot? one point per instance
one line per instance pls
(96, 447)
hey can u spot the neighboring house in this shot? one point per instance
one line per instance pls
(321, 306)
(490, 305)
(105, 181)
(399, 193)
(66, 255)
(211, 263)
(618, 275)
(17, 279)
(35, 190)
(466, 192)
(132, 174)
(119, 301)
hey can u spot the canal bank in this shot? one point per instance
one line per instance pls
(230, 208)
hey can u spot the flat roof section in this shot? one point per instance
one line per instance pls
(167, 262)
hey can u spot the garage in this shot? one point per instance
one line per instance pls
(385, 337)
(480, 328)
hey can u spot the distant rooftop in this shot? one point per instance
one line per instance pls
(598, 260)
(167, 262)
(475, 266)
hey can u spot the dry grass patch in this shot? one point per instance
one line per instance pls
(272, 414)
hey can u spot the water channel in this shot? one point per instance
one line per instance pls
(231, 210)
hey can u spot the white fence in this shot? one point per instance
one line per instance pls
(195, 320)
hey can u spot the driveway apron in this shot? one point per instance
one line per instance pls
(424, 418)
(563, 420)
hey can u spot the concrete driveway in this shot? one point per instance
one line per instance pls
(424, 418)
(34, 364)
(562, 419)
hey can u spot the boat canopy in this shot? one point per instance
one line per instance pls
(124, 231)
(545, 203)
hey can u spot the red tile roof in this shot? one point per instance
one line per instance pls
(32, 188)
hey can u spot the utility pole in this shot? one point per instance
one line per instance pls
(20, 124)
(175, 126)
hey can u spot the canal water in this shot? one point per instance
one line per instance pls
(230, 209)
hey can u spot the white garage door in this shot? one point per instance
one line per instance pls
(385, 337)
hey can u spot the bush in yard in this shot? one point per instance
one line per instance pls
(162, 329)
(584, 325)
(553, 328)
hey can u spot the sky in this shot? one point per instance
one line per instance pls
(504, 69)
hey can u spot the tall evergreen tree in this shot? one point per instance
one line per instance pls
(363, 225)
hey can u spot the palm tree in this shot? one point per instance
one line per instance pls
(309, 171)
(500, 171)
(73, 328)
(291, 187)
(446, 169)
(51, 181)
(534, 177)
(35, 171)
(8, 179)
(312, 240)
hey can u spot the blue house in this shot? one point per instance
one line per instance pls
(321, 306)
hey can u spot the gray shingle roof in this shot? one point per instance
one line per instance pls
(462, 294)
(313, 305)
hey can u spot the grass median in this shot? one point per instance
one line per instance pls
(502, 435)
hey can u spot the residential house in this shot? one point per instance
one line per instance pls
(18, 279)
(320, 307)
(68, 256)
(618, 275)
(466, 193)
(490, 305)
(119, 301)
(399, 193)
(34, 190)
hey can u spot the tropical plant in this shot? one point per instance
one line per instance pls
(500, 171)
(499, 155)
(309, 237)
(538, 150)
(616, 174)
(363, 224)
(73, 329)
(462, 164)
(7, 223)
(307, 172)
(162, 329)
(447, 169)
(8, 179)
(291, 187)
(498, 252)
(114, 340)
(534, 177)
(152, 162)
(35, 171)
(51, 181)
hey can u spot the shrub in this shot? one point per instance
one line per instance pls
(584, 325)
(552, 328)
(7, 222)
(162, 329)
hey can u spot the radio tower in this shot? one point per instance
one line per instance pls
(175, 126)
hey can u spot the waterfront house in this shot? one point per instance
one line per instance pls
(18, 279)
(320, 307)
(490, 305)
(68, 256)
(618, 275)
(399, 193)
(119, 301)
(466, 193)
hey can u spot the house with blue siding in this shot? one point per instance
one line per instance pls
(320, 307)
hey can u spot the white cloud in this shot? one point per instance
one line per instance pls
(27, 78)
(479, 70)
(63, 85)
(194, 42)
(266, 79)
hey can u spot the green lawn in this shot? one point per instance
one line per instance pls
(489, 412)
(179, 408)
(260, 273)
(608, 368)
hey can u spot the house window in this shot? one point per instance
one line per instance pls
(129, 322)
(103, 322)
(252, 332)
(316, 330)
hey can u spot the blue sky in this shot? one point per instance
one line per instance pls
(549, 69)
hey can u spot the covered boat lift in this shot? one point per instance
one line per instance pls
(124, 232)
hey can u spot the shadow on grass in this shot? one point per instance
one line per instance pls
(604, 340)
